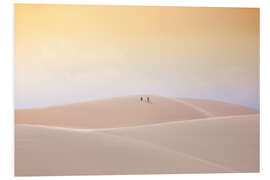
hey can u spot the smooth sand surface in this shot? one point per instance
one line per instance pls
(126, 111)
(60, 152)
(218, 108)
(232, 141)
(209, 141)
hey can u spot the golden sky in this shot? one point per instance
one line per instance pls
(71, 53)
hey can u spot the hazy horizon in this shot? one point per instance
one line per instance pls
(72, 53)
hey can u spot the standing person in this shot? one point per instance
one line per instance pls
(148, 99)
(141, 98)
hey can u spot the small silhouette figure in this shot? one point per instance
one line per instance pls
(148, 99)
(141, 98)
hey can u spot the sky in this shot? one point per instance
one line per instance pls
(72, 53)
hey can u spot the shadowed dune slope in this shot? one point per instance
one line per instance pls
(126, 111)
(226, 144)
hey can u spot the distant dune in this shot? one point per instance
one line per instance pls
(125, 136)
(127, 111)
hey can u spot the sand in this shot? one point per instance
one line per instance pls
(126, 111)
(125, 136)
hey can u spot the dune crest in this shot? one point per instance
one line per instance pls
(126, 111)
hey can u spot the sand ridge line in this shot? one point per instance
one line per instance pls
(215, 118)
(137, 126)
(201, 110)
(56, 128)
(157, 147)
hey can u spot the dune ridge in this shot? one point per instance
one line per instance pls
(126, 111)
(136, 126)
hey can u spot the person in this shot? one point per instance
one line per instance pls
(148, 99)
(141, 98)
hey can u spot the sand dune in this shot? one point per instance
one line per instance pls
(60, 152)
(197, 146)
(232, 141)
(126, 111)
(126, 136)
